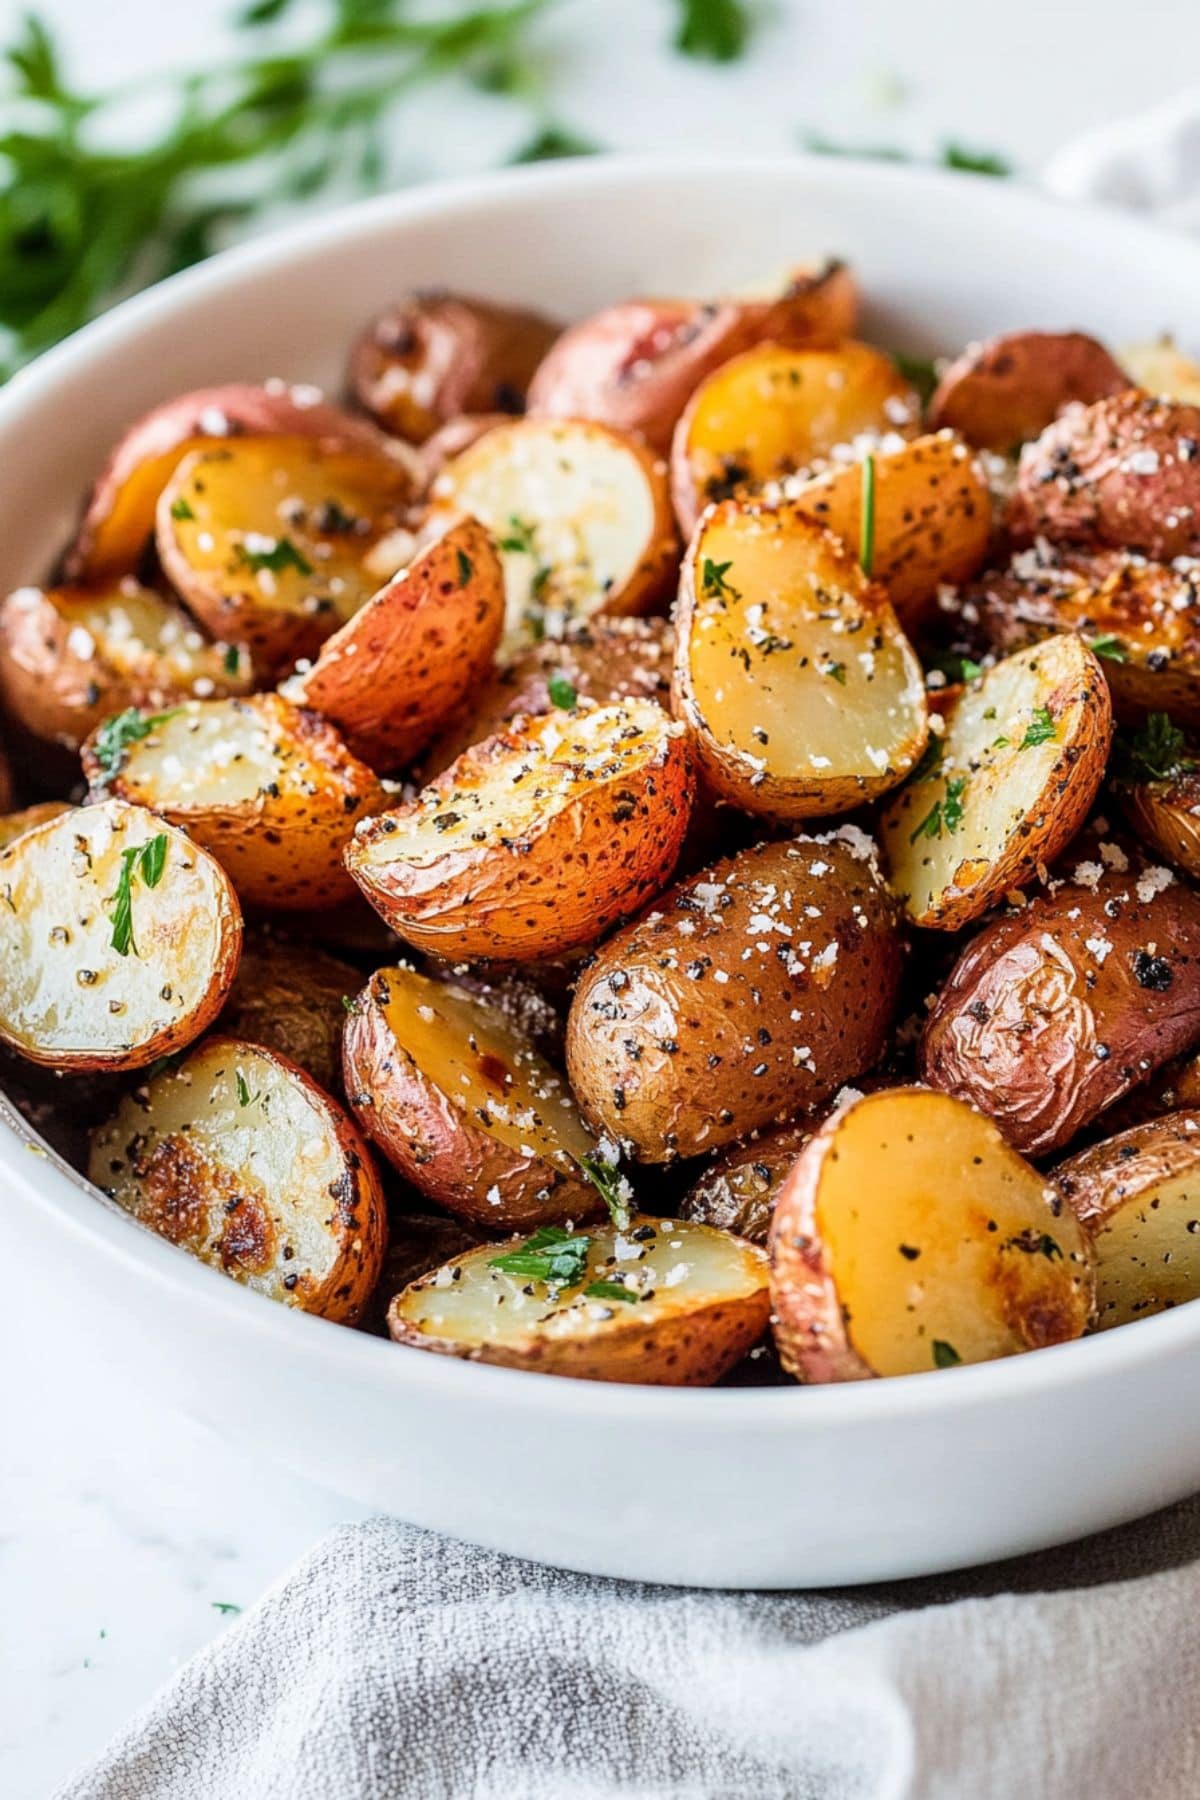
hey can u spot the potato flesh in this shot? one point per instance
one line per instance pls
(127, 624)
(1148, 1251)
(215, 753)
(1162, 368)
(683, 1266)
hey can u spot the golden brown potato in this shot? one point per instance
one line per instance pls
(749, 992)
(417, 1244)
(240, 1159)
(119, 939)
(909, 1236)
(932, 517)
(118, 520)
(536, 841)
(665, 1303)
(433, 356)
(581, 516)
(1122, 474)
(1161, 368)
(458, 1097)
(635, 365)
(275, 542)
(455, 436)
(1007, 390)
(1005, 787)
(738, 1191)
(293, 998)
(800, 691)
(267, 787)
(1158, 787)
(1056, 1010)
(410, 658)
(774, 411)
(15, 824)
(1139, 1197)
(71, 657)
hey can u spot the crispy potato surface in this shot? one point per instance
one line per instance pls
(240, 1159)
(909, 1236)
(738, 1192)
(292, 998)
(1000, 393)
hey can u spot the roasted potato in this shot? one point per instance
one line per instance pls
(293, 998)
(749, 992)
(536, 841)
(15, 824)
(455, 436)
(581, 516)
(1161, 368)
(458, 1097)
(71, 657)
(1056, 1010)
(119, 939)
(118, 519)
(416, 1244)
(634, 366)
(774, 411)
(240, 1159)
(410, 658)
(800, 691)
(1138, 1195)
(665, 1303)
(1123, 474)
(1006, 786)
(1001, 393)
(434, 356)
(269, 788)
(275, 542)
(1158, 787)
(909, 1236)
(738, 1191)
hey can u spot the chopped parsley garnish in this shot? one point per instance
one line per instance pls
(608, 1290)
(349, 1004)
(282, 555)
(561, 692)
(147, 860)
(920, 371)
(243, 1090)
(950, 156)
(1041, 730)
(466, 568)
(231, 662)
(956, 666)
(931, 761)
(945, 813)
(552, 1255)
(225, 1606)
(550, 142)
(519, 538)
(945, 1356)
(611, 1186)
(116, 734)
(974, 162)
(716, 30)
(866, 536)
(713, 582)
(181, 508)
(1108, 646)
(836, 671)
(1158, 752)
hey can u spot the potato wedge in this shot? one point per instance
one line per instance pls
(119, 939)
(70, 657)
(293, 998)
(1138, 1195)
(1162, 368)
(267, 787)
(15, 824)
(118, 519)
(238, 1157)
(1053, 1012)
(932, 512)
(799, 689)
(909, 1236)
(1006, 787)
(434, 356)
(774, 410)
(457, 1096)
(581, 516)
(1000, 393)
(749, 992)
(275, 542)
(738, 1191)
(415, 653)
(535, 842)
(635, 365)
(665, 1303)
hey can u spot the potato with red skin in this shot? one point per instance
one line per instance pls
(1165, 815)
(292, 997)
(738, 1191)
(1054, 1011)
(1000, 393)
(434, 356)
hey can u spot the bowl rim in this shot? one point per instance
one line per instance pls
(44, 1180)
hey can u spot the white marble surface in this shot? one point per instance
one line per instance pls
(121, 1527)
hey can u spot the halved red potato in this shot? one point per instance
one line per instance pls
(237, 1156)
(275, 542)
(738, 1191)
(536, 841)
(636, 364)
(414, 653)
(269, 788)
(291, 997)
(417, 1243)
(433, 356)
(118, 519)
(119, 939)
(580, 514)
(455, 436)
(15, 824)
(459, 1098)
(71, 657)
(909, 1236)
(932, 512)
(665, 1303)
(1138, 1195)
(1158, 785)
(1005, 787)
(1001, 393)
(776, 410)
(1162, 368)
(800, 691)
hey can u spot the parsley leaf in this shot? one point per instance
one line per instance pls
(713, 582)
(115, 735)
(225, 1606)
(181, 508)
(1108, 646)
(466, 568)
(519, 540)
(231, 662)
(974, 162)
(149, 860)
(866, 536)
(717, 30)
(281, 554)
(1042, 729)
(550, 142)
(920, 371)
(561, 692)
(612, 1187)
(243, 1089)
(945, 1356)
(944, 813)
(1158, 752)
(608, 1290)
(552, 1255)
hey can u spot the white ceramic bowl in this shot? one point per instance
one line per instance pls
(739, 1488)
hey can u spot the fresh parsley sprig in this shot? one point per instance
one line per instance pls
(115, 735)
(612, 1187)
(866, 536)
(147, 860)
(552, 1255)
(1156, 752)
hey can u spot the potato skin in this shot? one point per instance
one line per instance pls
(434, 356)
(15, 824)
(289, 997)
(1124, 473)
(681, 1036)
(738, 1192)
(1166, 816)
(1000, 393)
(1042, 1032)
